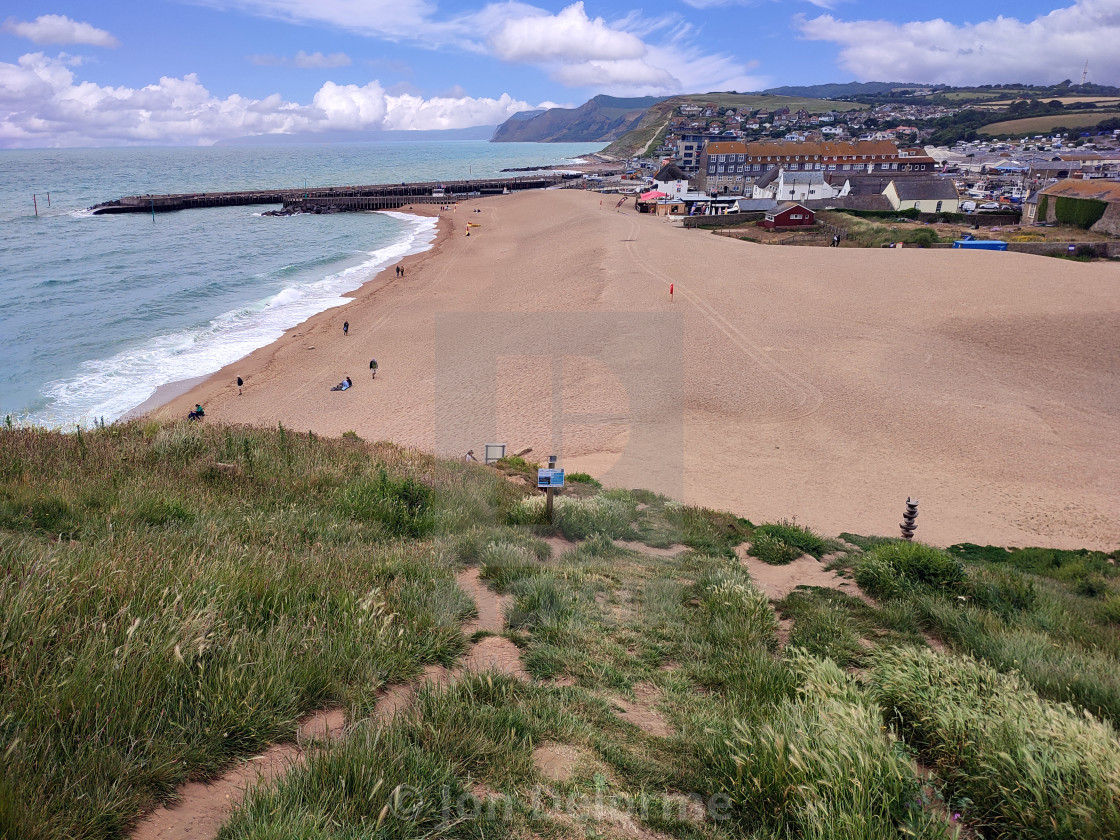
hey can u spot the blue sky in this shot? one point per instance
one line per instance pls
(198, 71)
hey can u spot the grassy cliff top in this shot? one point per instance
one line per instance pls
(173, 598)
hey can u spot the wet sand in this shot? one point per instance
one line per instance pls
(816, 384)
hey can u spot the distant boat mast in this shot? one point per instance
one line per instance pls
(1085, 72)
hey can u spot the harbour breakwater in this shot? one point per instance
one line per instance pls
(336, 199)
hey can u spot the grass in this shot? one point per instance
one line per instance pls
(824, 765)
(1029, 768)
(174, 598)
(783, 542)
(1041, 125)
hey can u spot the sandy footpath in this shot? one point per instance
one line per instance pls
(811, 383)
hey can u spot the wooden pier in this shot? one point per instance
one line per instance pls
(336, 199)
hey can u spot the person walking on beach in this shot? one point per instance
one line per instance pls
(346, 328)
(240, 382)
(373, 368)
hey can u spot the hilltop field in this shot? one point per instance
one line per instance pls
(1041, 125)
(430, 657)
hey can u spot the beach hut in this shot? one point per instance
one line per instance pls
(647, 201)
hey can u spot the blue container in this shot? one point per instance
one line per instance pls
(981, 244)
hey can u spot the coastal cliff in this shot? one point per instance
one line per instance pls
(603, 118)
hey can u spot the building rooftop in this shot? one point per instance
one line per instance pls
(916, 189)
(1096, 189)
(670, 172)
(815, 176)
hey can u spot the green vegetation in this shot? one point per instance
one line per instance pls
(1079, 212)
(871, 229)
(785, 542)
(583, 478)
(823, 765)
(174, 598)
(1062, 122)
(653, 124)
(1028, 768)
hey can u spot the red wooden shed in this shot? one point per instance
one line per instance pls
(789, 214)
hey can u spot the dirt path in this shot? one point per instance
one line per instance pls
(776, 582)
(202, 807)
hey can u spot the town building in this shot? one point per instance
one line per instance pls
(801, 186)
(729, 166)
(1073, 200)
(671, 181)
(689, 148)
(927, 195)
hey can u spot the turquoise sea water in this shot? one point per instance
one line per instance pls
(96, 312)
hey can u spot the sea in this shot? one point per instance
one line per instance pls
(97, 312)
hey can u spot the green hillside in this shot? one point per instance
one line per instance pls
(655, 122)
(174, 598)
(833, 90)
(1042, 125)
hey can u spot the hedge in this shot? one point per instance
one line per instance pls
(1043, 206)
(1079, 212)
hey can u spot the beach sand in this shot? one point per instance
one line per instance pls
(815, 384)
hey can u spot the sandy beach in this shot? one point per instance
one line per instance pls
(815, 384)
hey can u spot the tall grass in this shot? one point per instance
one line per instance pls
(894, 569)
(822, 765)
(783, 542)
(174, 597)
(609, 514)
(1031, 768)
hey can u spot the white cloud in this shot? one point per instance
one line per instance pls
(384, 18)
(408, 111)
(59, 29)
(624, 74)
(303, 60)
(569, 36)
(635, 54)
(711, 4)
(317, 60)
(1048, 49)
(43, 104)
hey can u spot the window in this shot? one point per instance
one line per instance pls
(937, 209)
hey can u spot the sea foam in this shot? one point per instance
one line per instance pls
(106, 389)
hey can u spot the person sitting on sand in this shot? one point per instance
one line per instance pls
(469, 457)
(198, 413)
(343, 385)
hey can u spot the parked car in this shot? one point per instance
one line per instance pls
(967, 206)
(988, 206)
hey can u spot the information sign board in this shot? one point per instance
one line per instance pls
(550, 478)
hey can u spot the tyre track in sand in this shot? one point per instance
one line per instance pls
(808, 397)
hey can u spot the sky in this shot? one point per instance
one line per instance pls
(195, 72)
